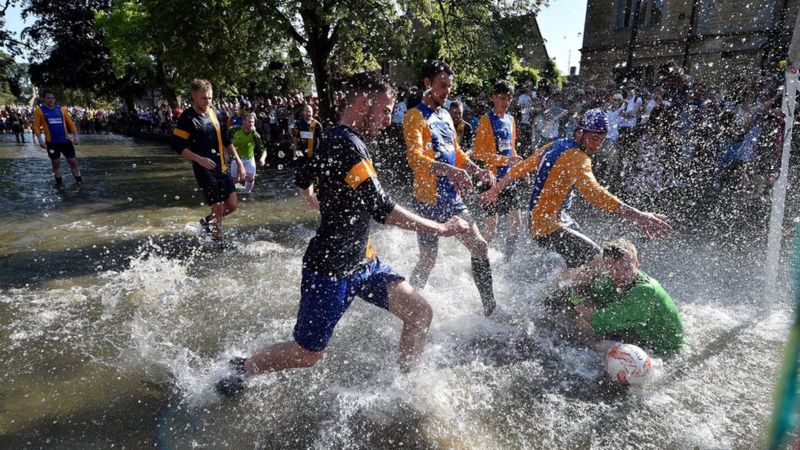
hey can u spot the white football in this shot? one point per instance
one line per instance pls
(628, 364)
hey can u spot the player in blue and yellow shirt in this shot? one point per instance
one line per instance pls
(495, 147)
(55, 122)
(202, 138)
(560, 168)
(441, 174)
(339, 263)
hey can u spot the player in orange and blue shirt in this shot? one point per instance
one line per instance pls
(560, 168)
(495, 147)
(441, 174)
(55, 122)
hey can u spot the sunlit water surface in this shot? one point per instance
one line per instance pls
(117, 317)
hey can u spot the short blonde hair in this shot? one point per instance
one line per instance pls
(201, 85)
(618, 248)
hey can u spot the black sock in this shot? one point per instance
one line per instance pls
(482, 274)
(79, 179)
(59, 181)
(511, 245)
(419, 278)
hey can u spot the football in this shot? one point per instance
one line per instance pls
(628, 364)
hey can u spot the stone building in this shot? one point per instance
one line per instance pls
(709, 38)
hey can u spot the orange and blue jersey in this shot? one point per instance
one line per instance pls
(431, 137)
(55, 122)
(495, 142)
(561, 168)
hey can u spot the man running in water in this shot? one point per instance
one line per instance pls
(441, 175)
(495, 146)
(247, 142)
(339, 263)
(561, 167)
(54, 120)
(622, 303)
(202, 138)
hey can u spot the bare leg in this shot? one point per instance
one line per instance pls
(416, 314)
(56, 168)
(73, 165)
(249, 181)
(427, 259)
(489, 227)
(282, 356)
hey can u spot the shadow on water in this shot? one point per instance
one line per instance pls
(30, 269)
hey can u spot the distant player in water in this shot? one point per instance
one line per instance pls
(55, 122)
(247, 142)
(339, 263)
(203, 139)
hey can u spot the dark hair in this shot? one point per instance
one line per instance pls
(46, 91)
(366, 82)
(434, 68)
(457, 104)
(503, 87)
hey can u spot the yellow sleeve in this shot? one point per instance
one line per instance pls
(38, 121)
(529, 164)
(485, 148)
(68, 120)
(587, 184)
(414, 130)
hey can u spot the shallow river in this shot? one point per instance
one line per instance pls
(116, 317)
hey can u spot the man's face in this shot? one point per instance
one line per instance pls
(501, 103)
(623, 270)
(439, 88)
(456, 113)
(249, 123)
(50, 100)
(591, 142)
(307, 113)
(202, 99)
(379, 113)
(630, 89)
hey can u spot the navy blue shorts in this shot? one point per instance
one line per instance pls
(441, 212)
(216, 187)
(325, 299)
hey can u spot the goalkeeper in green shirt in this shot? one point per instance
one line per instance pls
(621, 303)
(248, 142)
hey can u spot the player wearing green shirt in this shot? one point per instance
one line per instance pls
(248, 142)
(627, 305)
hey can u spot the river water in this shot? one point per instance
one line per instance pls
(117, 318)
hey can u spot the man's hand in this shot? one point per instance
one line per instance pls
(42, 144)
(654, 225)
(460, 178)
(241, 174)
(207, 163)
(486, 177)
(513, 160)
(456, 225)
(310, 197)
(76, 141)
(489, 197)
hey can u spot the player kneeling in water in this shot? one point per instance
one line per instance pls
(339, 263)
(622, 303)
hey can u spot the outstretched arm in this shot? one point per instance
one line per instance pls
(402, 218)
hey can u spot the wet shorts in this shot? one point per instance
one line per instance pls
(575, 247)
(216, 188)
(56, 149)
(513, 197)
(439, 213)
(324, 299)
(249, 167)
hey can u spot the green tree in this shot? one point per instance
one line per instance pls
(551, 74)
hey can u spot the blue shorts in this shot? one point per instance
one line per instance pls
(324, 300)
(440, 212)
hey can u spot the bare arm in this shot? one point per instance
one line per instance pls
(194, 157)
(402, 218)
(652, 225)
